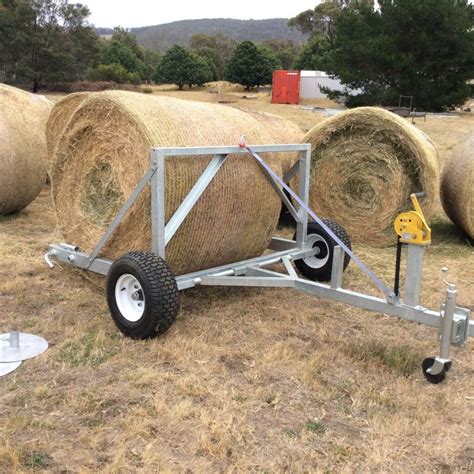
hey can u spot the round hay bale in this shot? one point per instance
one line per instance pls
(58, 120)
(282, 131)
(23, 119)
(457, 186)
(104, 151)
(365, 164)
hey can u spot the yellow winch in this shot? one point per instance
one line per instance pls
(411, 226)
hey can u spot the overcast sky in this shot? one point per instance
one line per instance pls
(132, 13)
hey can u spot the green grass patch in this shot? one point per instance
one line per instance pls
(402, 359)
(293, 434)
(37, 460)
(87, 351)
(315, 426)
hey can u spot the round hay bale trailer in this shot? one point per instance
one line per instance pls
(143, 291)
(102, 152)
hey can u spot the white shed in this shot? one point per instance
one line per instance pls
(310, 82)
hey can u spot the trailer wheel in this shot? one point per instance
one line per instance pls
(142, 295)
(319, 266)
(434, 378)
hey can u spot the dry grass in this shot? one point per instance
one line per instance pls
(246, 380)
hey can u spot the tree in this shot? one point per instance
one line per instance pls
(123, 49)
(252, 65)
(320, 20)
(213, 61)
(45, 41)
(151, 59)
(313, 56)
(180, 66)
(201, 71)
(218, 48)
(109, 72)
(422, 48)
(286, 51)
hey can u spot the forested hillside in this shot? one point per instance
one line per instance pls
(162, 37)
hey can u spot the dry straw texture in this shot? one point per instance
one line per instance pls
(23, 118)
(365, 164)
(59, 118)
(283, 131)
(457, 186)
(103, 152)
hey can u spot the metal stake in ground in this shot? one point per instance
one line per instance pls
(17, 346)
(8, 367)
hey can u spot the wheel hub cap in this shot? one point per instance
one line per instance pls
(129, 297)
(321, 251)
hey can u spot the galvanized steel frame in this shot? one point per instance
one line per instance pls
(453, 321)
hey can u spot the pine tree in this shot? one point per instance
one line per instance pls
(251, 65)
(422, 48)
(180, 66)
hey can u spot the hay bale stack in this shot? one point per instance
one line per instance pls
(365, 164)
(457, 186)
(23, 119)
(104, 151)
(59, 118)
(282, 131)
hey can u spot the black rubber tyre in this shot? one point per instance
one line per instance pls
(159, 294)
(320, 267)
(427, 363)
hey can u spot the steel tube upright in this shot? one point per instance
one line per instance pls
(158, 242)
(414, 270)
(304, 171)
(447, 321)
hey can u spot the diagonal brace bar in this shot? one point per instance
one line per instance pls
(193, 196)
(291, 172)
(121, 213)
(282, 195)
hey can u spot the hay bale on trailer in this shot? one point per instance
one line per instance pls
(104, 151)
(23, 119)
(59, 118)
(282, 131)
(457, 186)
(365, 164)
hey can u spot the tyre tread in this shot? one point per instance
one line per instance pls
(162, 294)
(324, 274)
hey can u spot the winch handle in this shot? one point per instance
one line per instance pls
(414, 199)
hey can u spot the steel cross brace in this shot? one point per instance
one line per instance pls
(452, 321)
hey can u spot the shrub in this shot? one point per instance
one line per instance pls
(109, 72)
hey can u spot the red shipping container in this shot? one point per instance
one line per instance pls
(286, 87)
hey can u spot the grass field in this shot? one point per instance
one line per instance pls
(261, 380)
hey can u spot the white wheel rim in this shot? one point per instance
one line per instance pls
(129, 297)
(316, 261)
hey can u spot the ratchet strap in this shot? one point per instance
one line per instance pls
(379, 283)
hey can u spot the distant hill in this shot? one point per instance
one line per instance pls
(162, 37)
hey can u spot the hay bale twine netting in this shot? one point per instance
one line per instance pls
(283, 131)
(23, 119)
(104, 151)
(365, 164)
(457, 186)
(58, 120)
